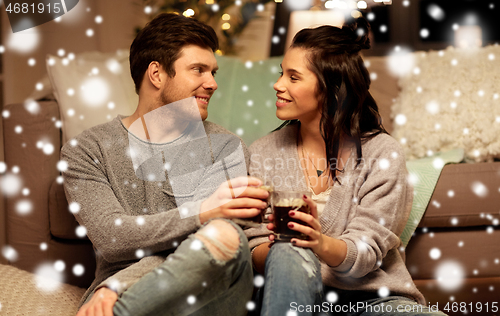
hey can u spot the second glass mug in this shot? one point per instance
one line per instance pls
(257, 220)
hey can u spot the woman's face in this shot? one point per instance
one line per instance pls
(296, 89)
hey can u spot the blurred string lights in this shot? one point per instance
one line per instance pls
(294, 15)
(348, 7)
(230, 17)
(462, 22)
(333, 4)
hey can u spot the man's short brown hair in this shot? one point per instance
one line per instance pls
(162, 40)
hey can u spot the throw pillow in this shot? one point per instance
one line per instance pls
(91, 88)
(450, 100)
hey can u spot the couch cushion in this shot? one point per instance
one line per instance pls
(465, 195)
(62, 222)
(464, 266)
(423, 175)
(22, 293)
(384, 87)
(473, 251)
(477, 294)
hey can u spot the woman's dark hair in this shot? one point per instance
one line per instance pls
(348, 109)
(162, 40)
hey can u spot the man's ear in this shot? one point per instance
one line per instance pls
(153, 73)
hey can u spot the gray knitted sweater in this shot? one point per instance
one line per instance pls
(128, 192)
(367, 208)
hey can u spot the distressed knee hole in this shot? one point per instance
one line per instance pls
(220, 238)
(308, 263)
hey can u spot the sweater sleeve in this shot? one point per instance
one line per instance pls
(380, 211)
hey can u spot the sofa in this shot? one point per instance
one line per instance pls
(452, 254)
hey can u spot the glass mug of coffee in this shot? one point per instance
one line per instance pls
(257, 220)
(282, 203)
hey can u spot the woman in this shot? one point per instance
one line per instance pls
(333, 144)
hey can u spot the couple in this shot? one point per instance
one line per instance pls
(150, 193)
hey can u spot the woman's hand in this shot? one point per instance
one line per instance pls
(331, 250)
(313, 231)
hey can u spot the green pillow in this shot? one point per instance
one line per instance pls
(245, 101)
(424, 175)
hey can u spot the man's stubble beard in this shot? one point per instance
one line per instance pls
(190, 114)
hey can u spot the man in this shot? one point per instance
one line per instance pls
(146, 183)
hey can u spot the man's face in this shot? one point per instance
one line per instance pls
(194, 77)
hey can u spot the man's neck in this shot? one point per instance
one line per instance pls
(155, 129)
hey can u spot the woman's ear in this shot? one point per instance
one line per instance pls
(154, 73)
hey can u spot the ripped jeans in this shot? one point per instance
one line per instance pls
(192, 282)
(293, 283)
(293, 274)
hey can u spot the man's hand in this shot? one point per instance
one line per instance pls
(101, 303)
(236, 198)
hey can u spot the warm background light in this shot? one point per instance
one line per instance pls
(467, 36)
(362, 5)
(188, 12)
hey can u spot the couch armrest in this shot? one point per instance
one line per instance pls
(37, 171)
(384, 88)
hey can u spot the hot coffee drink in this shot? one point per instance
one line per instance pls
(283, 203)
(257, 220)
